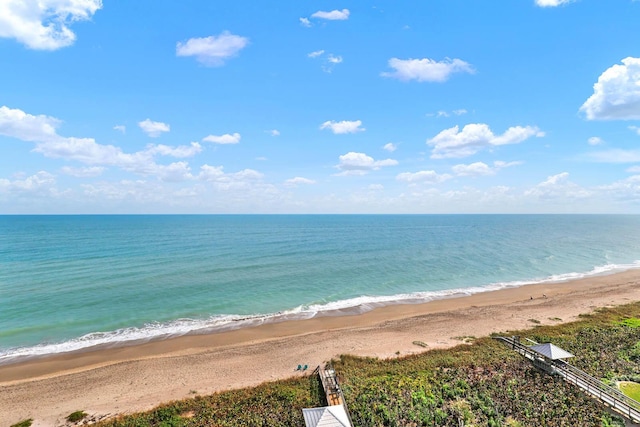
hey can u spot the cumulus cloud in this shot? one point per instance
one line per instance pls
(274, 132)
(120, 128)
(557, 187)
(360, 164)
(595, 140)
(428, 177)
(616, 95)
(344, 126)
(334, 15)
(212, 51)
(86, 172)
(41, 181)
(179, 152)
(453, 142)
(552, 3)
(298, 180)
(481, 169)
(222, 180)
(153, 129)
(42, 131)
(426, 70)
(18, 124)
(334, 59)
(305, 22)
(44, 24)
(223, 139)
(390, 147)
(633, 169)
(315, 53)
(624, 190)
(636, 129)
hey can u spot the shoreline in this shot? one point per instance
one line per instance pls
(348, 307)
(139, 377)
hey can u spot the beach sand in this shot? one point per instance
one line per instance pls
(130, 379)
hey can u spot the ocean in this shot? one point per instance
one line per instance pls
(74, 282)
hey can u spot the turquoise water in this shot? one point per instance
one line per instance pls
(72, 282)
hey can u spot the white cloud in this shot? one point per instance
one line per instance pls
(293, 182)
(180, 151)
(344, 126)
(274, 132)
(552, 3)
(429, 177)
(615, 155)
(481, 169)
(153, 129)
(42, 131)
(360, 164)
(330, 60)
(595, 140)
(616, 95)
(334, 15)
(212, 51)
(636, 129)
(442, 114)
(460, 112)
(305, 22)
(633, 169)
(375, 187)
(390, 147)
(558, 187)
(32, 184)
(453, 142)
(44, 24)
(426, 70)
(223, 139)
(625, 190)
(227, 181)
(86, 172)
(18, 124)
(120, 128)
(473, 169)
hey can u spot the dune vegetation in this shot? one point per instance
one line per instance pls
(478, 383)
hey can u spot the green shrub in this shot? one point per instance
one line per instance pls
(76, 416)
(24, 423)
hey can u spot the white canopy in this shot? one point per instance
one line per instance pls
(551, 351)
(328, 416)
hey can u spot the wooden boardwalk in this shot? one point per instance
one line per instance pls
(331, 387)
(610, 396)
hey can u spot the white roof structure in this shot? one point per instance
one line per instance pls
(551, 351)
(328, 416)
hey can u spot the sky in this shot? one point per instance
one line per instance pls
(382, 106)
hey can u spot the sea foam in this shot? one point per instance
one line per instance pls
(221, 323)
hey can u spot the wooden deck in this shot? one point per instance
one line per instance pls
(610, 396)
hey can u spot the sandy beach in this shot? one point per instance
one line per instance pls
(128, 379)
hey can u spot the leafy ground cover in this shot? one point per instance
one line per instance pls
(482, 383)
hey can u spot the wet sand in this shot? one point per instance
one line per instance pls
(128, 379)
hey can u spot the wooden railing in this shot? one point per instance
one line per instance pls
(610, 396)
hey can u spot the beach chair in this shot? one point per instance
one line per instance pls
(299, 368)
(304, 368)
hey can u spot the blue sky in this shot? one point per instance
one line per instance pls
(439, 106)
